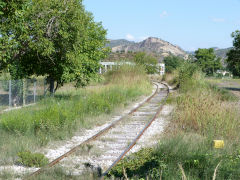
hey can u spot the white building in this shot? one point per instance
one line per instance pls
(161, 68)
(109, 66)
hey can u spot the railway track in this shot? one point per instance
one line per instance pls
(113, 142)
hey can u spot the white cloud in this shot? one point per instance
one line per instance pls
(163, 14)
(130, 37)
(218, 19)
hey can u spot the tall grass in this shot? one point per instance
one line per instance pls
(203, 108)
(61, 116)
(202, 113)
(191, 152)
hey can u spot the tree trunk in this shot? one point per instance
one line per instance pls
(51, 87)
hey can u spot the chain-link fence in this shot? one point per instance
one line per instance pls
(15, 93)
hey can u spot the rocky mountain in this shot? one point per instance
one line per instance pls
(152, 45)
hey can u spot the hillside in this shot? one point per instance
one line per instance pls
(119, 42)
(155, 46)
(222, 53)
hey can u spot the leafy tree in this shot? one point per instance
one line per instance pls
(233, 56)
(59, 39)
(148, 61)
(172, 63)
(207, 60)
(13, 31)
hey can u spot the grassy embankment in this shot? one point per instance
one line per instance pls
(203, 113)
(29, 128)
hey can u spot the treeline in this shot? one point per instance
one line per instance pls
(207, 61)
(204, 59)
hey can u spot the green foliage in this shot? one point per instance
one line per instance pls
(54, 38)
(29, 159)
(172, 63)
(185, 76)
(140, 162)
(53, 116)
(195, 155)
(147, 61)
(207, 60)
(12, 29)
(233, 56)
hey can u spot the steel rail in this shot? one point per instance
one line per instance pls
(138, 136)
(106, 129)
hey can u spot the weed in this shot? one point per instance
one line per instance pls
(29, 159)
(179, 156)
(59, 117)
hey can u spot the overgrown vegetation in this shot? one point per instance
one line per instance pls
(147, 61)
(203, 108)
(59, 117)
(193, 153)
(203, 113)
(29, 159)
(172, 63)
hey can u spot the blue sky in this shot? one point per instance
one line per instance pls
(191, 24)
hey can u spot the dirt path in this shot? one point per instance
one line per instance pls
(231, 85)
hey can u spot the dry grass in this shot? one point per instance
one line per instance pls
(203, 108)
(204, 112)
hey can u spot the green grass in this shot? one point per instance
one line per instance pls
(56, 118)
(60, 173)
(29, 159)
(193, 152)
(203, 113)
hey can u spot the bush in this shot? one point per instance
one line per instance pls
(138, 163)
(189, 76)
(194, 153)
(147, 61)
(29, 159)
(172, 63)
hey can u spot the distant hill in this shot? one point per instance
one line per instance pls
(119, 42)
(155, 46)
(222, 53)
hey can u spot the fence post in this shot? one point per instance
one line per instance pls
(10, 93)
(24, 89)
(34, 91)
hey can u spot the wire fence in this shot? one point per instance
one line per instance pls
(17, 93)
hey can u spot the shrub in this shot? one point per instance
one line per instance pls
(29, 159)
(138, 163)
(193, 152)
(147, 61)
(172, 63)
